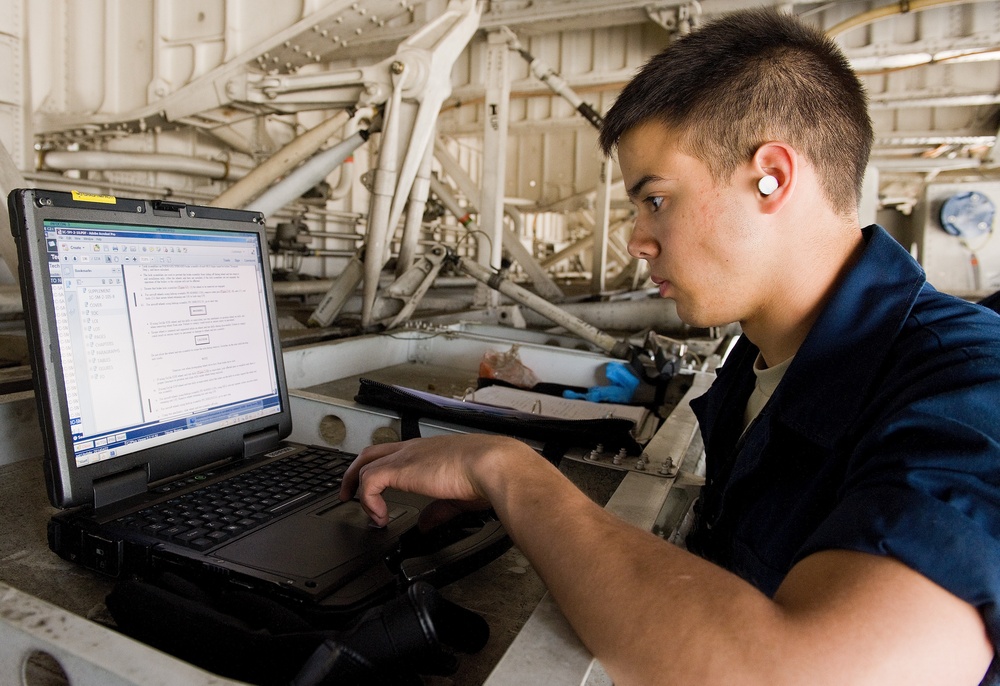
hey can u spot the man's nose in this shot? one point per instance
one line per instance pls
(641, 244)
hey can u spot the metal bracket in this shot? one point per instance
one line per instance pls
(679, 19)
(411, 286)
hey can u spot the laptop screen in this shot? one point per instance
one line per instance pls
(163, 333)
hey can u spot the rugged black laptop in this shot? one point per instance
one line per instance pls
(163, 405)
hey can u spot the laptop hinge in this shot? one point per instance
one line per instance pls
(119, 486)
(261, 442)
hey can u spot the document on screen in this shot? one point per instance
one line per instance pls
(200, 332)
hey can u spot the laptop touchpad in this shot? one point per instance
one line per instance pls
(317, 540)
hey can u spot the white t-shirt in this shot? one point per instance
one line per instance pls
(768, 379)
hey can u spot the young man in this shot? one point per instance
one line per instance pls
(849, 529)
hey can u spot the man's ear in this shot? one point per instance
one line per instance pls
(774, 173)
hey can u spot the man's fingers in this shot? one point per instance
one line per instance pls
(349, 484)
(369, 494)
(437, 467)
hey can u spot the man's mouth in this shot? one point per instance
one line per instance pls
(662, 284)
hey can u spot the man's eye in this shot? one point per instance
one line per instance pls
(656, 202)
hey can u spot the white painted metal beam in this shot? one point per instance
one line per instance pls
(497, 78)
(88, 653)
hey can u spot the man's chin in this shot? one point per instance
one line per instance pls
(695, 319)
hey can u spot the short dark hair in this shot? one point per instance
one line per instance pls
(751, 77)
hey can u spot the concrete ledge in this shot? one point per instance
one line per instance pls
(19, 427)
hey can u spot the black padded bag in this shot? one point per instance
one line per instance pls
(243, 635)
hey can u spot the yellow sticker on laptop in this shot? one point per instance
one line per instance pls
(93, 197)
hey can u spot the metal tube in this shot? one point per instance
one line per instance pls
(650, 312)
(558, 85)
(281, 288)
(311, 172)
(380, 204)
(415, 212)
(874, 15)
(444, 194)
(602, 210)
(104, 160)
(581, 328)
(55, 181)
(278, 164)
(346, 180)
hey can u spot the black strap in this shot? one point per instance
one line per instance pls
(409, 424)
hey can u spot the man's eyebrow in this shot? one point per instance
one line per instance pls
(633, 191)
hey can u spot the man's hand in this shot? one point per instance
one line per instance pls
(449, 468)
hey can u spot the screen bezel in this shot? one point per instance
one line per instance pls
(71, 485)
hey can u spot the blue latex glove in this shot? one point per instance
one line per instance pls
(621, 389)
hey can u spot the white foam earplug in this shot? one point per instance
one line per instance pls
(767, 185)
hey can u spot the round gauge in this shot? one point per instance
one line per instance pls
(967, 215)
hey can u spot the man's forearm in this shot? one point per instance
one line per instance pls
(654, 613)
(630, 595)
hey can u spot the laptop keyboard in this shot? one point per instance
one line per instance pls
(217, 512)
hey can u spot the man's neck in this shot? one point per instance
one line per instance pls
(785, 319)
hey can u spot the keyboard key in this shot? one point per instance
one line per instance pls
(172, 531)
(189, 536)
(201, 543)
